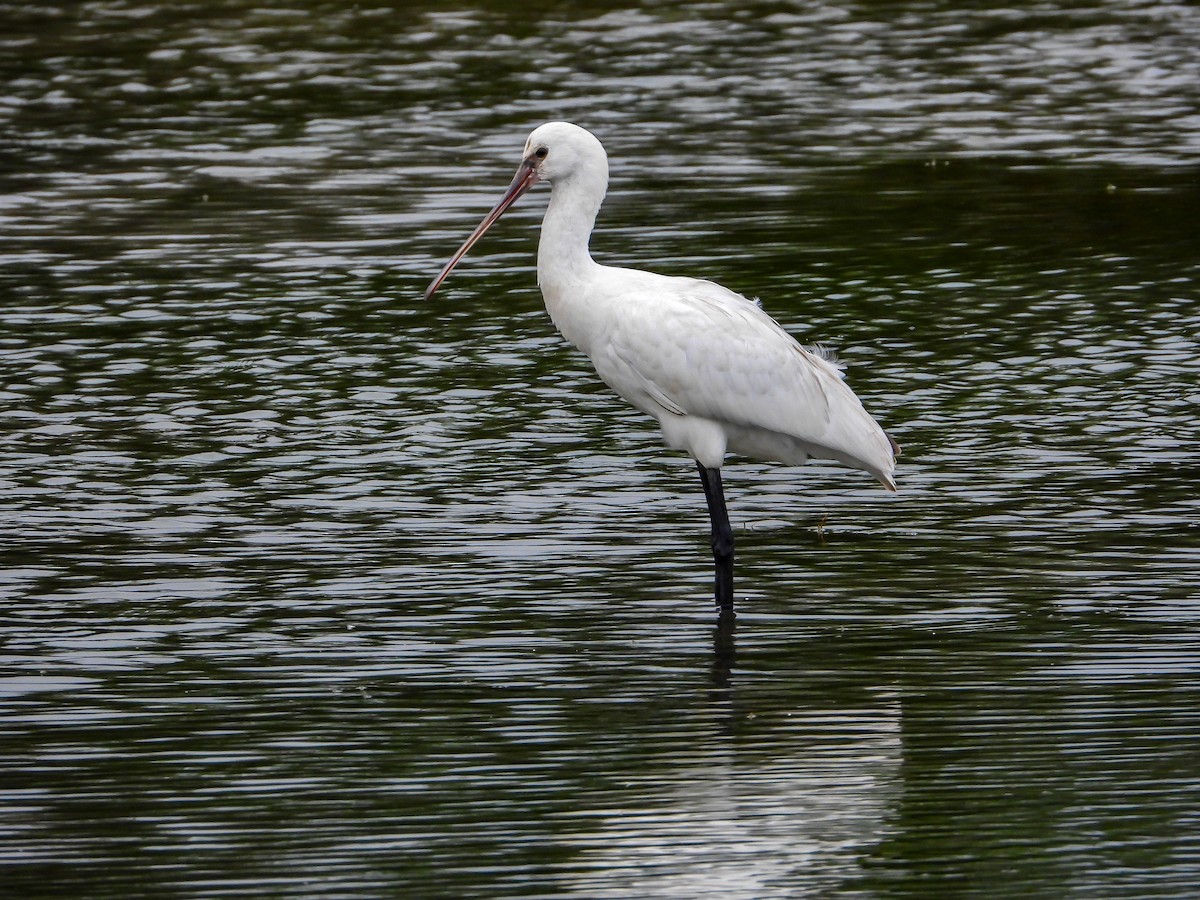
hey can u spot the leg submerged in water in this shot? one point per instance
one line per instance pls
(722, 537)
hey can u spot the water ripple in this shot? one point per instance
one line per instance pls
(309, 587)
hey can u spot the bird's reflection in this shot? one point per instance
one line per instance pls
(724, 652)
(778, 798)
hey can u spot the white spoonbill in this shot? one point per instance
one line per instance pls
(717, 373)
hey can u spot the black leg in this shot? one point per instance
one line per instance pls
(722, 538)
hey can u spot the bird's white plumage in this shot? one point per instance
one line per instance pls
(717, 373)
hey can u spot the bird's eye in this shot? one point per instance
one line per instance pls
(540, 152)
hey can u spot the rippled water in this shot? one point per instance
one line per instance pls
(310, 588)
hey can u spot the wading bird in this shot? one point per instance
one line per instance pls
(717, 373)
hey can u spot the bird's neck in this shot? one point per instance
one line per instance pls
(563, 258)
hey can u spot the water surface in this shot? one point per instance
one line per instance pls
(312, 588)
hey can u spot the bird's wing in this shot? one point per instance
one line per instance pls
(699, 349)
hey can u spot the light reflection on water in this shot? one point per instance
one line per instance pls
(311, 588)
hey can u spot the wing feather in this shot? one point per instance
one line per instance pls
(691, 347)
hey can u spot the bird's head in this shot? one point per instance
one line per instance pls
(556, 152)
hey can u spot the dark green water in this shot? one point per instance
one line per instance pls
(308, 588)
